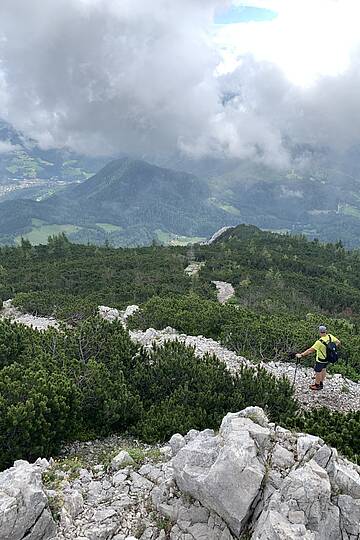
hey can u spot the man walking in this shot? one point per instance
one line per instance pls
(320, 347)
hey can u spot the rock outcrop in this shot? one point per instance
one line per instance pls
(24, 508)
(217, 234)
(251, 480)
(269, 483)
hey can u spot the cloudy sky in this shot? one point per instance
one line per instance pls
(203, 77)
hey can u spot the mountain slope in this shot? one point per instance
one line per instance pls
(319, 200)
(128, 202)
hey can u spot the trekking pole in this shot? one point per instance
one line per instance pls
(296, 367)
(292, 356)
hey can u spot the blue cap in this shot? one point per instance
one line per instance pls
(322, 329)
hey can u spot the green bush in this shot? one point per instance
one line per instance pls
(257, 336)
(38, 411)
(337, 429)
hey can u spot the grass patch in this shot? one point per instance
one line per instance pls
(348, 210)
(109, 227)
(38, 222)
(171, 239)
(63, 468)
(139, 455)
(226, 207)
(40, 234)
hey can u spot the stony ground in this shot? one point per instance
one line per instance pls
(252, 480)
(121, 489)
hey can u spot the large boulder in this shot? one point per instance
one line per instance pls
(24, 511)
(269, 483)
(301, 508)
(225, 472)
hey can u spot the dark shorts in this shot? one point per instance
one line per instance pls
(319, 366)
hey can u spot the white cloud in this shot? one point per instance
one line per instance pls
(6, 147)
(307, 40)
(104, 76)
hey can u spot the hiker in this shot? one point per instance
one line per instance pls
(322, 356)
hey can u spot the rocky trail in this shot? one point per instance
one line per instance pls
(339, 393)
(38, 323)
(252, 480)
(225, 291)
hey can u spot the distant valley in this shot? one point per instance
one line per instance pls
(30, 172)
(130, 202)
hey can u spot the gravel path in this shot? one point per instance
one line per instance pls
(38, 323)
(201, 344)
(193, 268)
(225, 291)
(339, 393)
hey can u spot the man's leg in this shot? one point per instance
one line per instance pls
(323, 375)
(318, 377)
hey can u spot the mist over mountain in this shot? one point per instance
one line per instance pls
(131, 202)
(264, 117)
(28, 171)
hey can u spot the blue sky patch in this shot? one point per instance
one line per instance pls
(238, 14)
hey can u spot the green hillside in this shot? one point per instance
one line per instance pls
(136, 201)
(321, 200)
(31, 172)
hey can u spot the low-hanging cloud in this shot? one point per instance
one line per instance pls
(103, 76)
(107, 76)
(6, 147)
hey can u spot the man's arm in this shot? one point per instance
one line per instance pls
(306, 353)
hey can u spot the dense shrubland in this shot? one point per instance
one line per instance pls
(257, 336)
(92, 380)
(271, 274)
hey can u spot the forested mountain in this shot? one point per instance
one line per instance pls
(319, 198)
(317, 195)
(128, 202)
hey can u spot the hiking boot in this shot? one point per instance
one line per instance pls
(315, 386)
(321, 386)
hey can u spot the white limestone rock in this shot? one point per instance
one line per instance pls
(282, 458)
(224, 472)
(176, 442)
(349, 515)
(307, 445)
(73, 503)
(109, 314)
(24, 511)
(121, 460)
